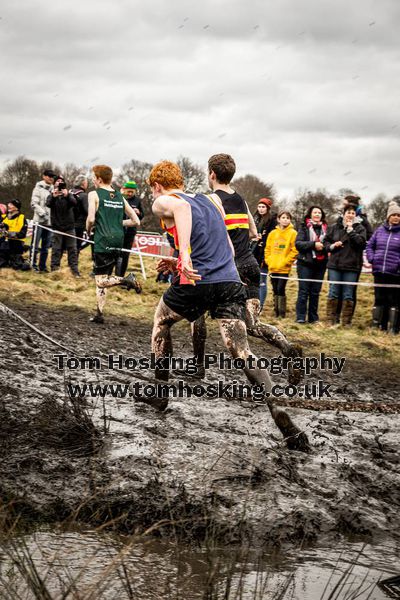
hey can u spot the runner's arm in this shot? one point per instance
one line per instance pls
(180, 212)
(133, 221)
(93, 200)
(253, 233)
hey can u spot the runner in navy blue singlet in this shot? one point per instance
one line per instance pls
(207, 281)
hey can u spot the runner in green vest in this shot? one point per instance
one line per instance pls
(106, 214)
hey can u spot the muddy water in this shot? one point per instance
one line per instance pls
(202, 466)
(105, 567)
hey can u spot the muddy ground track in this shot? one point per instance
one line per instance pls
(211, 467)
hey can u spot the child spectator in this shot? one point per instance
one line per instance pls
(280, 254)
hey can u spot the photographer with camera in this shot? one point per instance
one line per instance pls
(61, 204)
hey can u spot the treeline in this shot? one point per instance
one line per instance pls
(19, 177)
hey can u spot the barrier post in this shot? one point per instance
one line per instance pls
(33, 243)
(141, 260)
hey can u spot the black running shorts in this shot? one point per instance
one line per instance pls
(223, 300)
(249, 272)
(104, 262)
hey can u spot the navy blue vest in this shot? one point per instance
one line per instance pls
(211, 252)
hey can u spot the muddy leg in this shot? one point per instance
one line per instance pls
(234, 335)
(102, 283)
(161, 341)
(273, 336)
(199, 336)
(106, 281)
(101, 301)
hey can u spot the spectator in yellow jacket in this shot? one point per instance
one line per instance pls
(280, 254)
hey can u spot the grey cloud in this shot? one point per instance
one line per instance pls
(299, 92)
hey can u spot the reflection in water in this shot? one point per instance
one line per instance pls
(96, 566)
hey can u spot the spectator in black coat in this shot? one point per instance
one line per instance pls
(311, 263)
(265, 221)
(355, 201)
(129, 191)
(79, 192)
(345, 241)
(62, 205)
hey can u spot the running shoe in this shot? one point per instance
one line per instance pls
(97, 319)
(130, 282)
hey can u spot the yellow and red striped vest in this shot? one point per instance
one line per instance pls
(237, 223)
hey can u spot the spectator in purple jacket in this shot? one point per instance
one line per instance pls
(383, 252)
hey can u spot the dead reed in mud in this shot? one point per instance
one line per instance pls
(68, 427)
(129, 570)
(31, 567)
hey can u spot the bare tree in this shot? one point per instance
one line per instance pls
(252, 189)
(193, 175)
(71, 171)
(329, 203)
(139, 171)
(18, 179)
(377, 210)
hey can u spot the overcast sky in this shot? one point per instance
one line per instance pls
(303, 93)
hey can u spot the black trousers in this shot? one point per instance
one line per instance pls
(61, 243)
(123, 261)
(387, 296)
(279, 285)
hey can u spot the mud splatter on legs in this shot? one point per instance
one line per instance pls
(161, 341)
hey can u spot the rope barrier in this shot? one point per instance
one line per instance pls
(361, 283)
(138, 251)
(9, 312)
(64, 233)
(290, 279)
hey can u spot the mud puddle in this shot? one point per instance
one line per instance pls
(204, 465)
(93, 565)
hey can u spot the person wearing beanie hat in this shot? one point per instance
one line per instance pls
(355, 201)
(130, 185)
(16, 227)
(393, 209)
(129, 191)
(265, 222)
(266, 201)
(383, 252)
(15, 203)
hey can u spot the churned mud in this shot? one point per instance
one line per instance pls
(204, 465)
